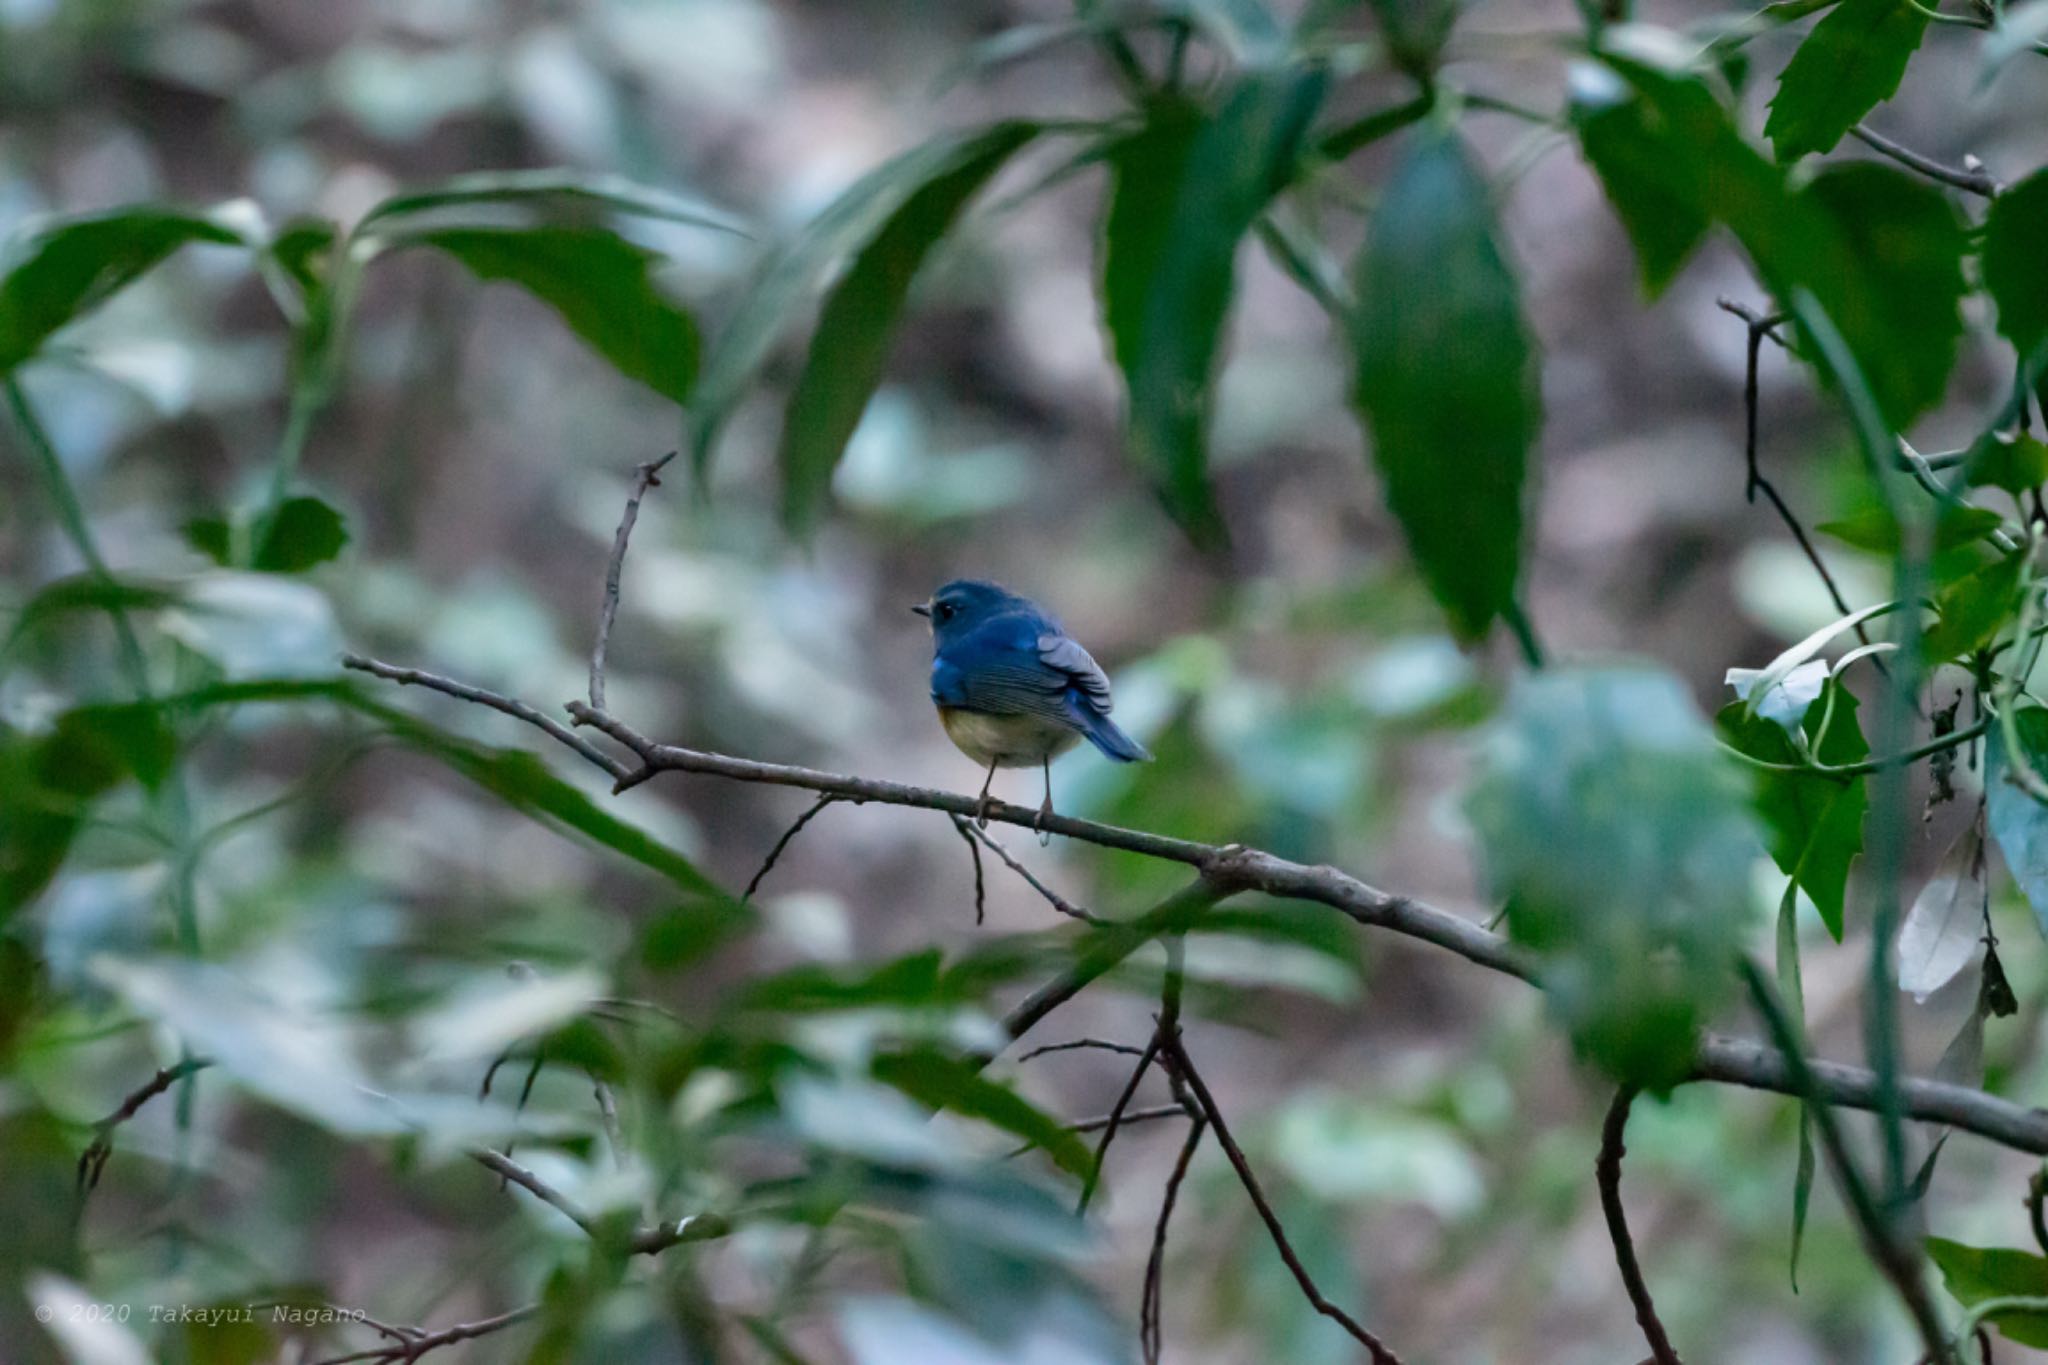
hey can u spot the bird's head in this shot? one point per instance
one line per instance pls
(965, 603)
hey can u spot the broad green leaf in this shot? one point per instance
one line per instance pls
(1813, 825)
(2016, 464)
(2015, 266)
(48, 782)
(305, 532)
(1974, 608)
(1945, 927)
(1447, 378)
(540, 187)
(858, 325)
(1841, 243)
(2018, 822)
(940, 1081)
(72, 266)
(1974, 1274)
(601, 284)
(787, 277)
(1848, 65)
(1621, 838)
(1185, 190)
(1629, 147)
(1903, 244)
(1874, 530)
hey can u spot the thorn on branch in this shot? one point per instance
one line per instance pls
(1607, 1171)
(644, 478)
(783, 843)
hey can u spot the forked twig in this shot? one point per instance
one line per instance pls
(644, 478)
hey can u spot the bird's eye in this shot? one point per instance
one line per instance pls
(944, 611)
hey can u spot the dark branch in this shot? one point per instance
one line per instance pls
(1150, 1331)
(93, 1160)
(975, 833)
(1177, 1057)
(1607, 1170)
(518, 710)
(1116, 1118)
(1100, 1044)
(1972, 180)
(644, 1241)
(782, 843)
(966, 830)
(644, 478)
(1230, 868)
(410, 1343)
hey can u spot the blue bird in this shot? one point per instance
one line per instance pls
(1013, 689)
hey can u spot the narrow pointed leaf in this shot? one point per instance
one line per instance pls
(858, 325)
(71, 267)
(600, 283)
(1185, 190)
(1447, 378)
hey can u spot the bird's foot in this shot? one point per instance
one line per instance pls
(981, 811)
(1044, 814)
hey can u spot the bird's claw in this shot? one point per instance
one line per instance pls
(1044, 814)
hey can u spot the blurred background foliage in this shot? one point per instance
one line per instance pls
(353, 902)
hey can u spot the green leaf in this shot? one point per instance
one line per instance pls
(1974, 608)
(1447, 378)
(86, 592)
(600, 283)
(1848, 65)
(941, 1081)
(1813, 824)
(1974, 1274)
(305, 532)
(1841, 243)
(1184, 192)
(858, 324)
(2018, 822)
(787, 277)
(1874, 530)
(1628, 144)
(550, 186)
(2016, 465)
(2015, 266)
(1622, 840)
(74, 265)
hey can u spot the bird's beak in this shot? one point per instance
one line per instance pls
(923, 609)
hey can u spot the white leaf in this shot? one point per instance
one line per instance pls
(1775, 672)
(1946, 924)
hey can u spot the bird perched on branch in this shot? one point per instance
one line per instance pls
(1013, 689)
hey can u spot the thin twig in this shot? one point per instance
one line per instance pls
(518, 710)
(1607, 1171)
(1177, 1056)
(644, 478)
(1760, 326)
(2037, 1194)
(1101, 1044)
(965, 829)
(643, 1241)
(1116, 1116)
(1973, 181)
(1150, 1302)
(1231, 868)
(782, 843)
(1149, 1114)
(93, 1160)
(974, 833)
(410, 1343)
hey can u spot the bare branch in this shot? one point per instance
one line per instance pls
(1149, 1305)
(1150, 1114)
(1177, 1057)
(644, 1241)
(1116, 1117)
(519, 710)
(782, 843)
(972, 832)
(1100, 1044)
(93, 1160)
(1607, 1170)
(644, 478)
(410, 1343)
(1974, 180)
(965, 829)
(1227, 869)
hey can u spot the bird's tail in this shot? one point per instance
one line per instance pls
(1103, 733)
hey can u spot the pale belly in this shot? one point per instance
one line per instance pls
(1007, 741)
